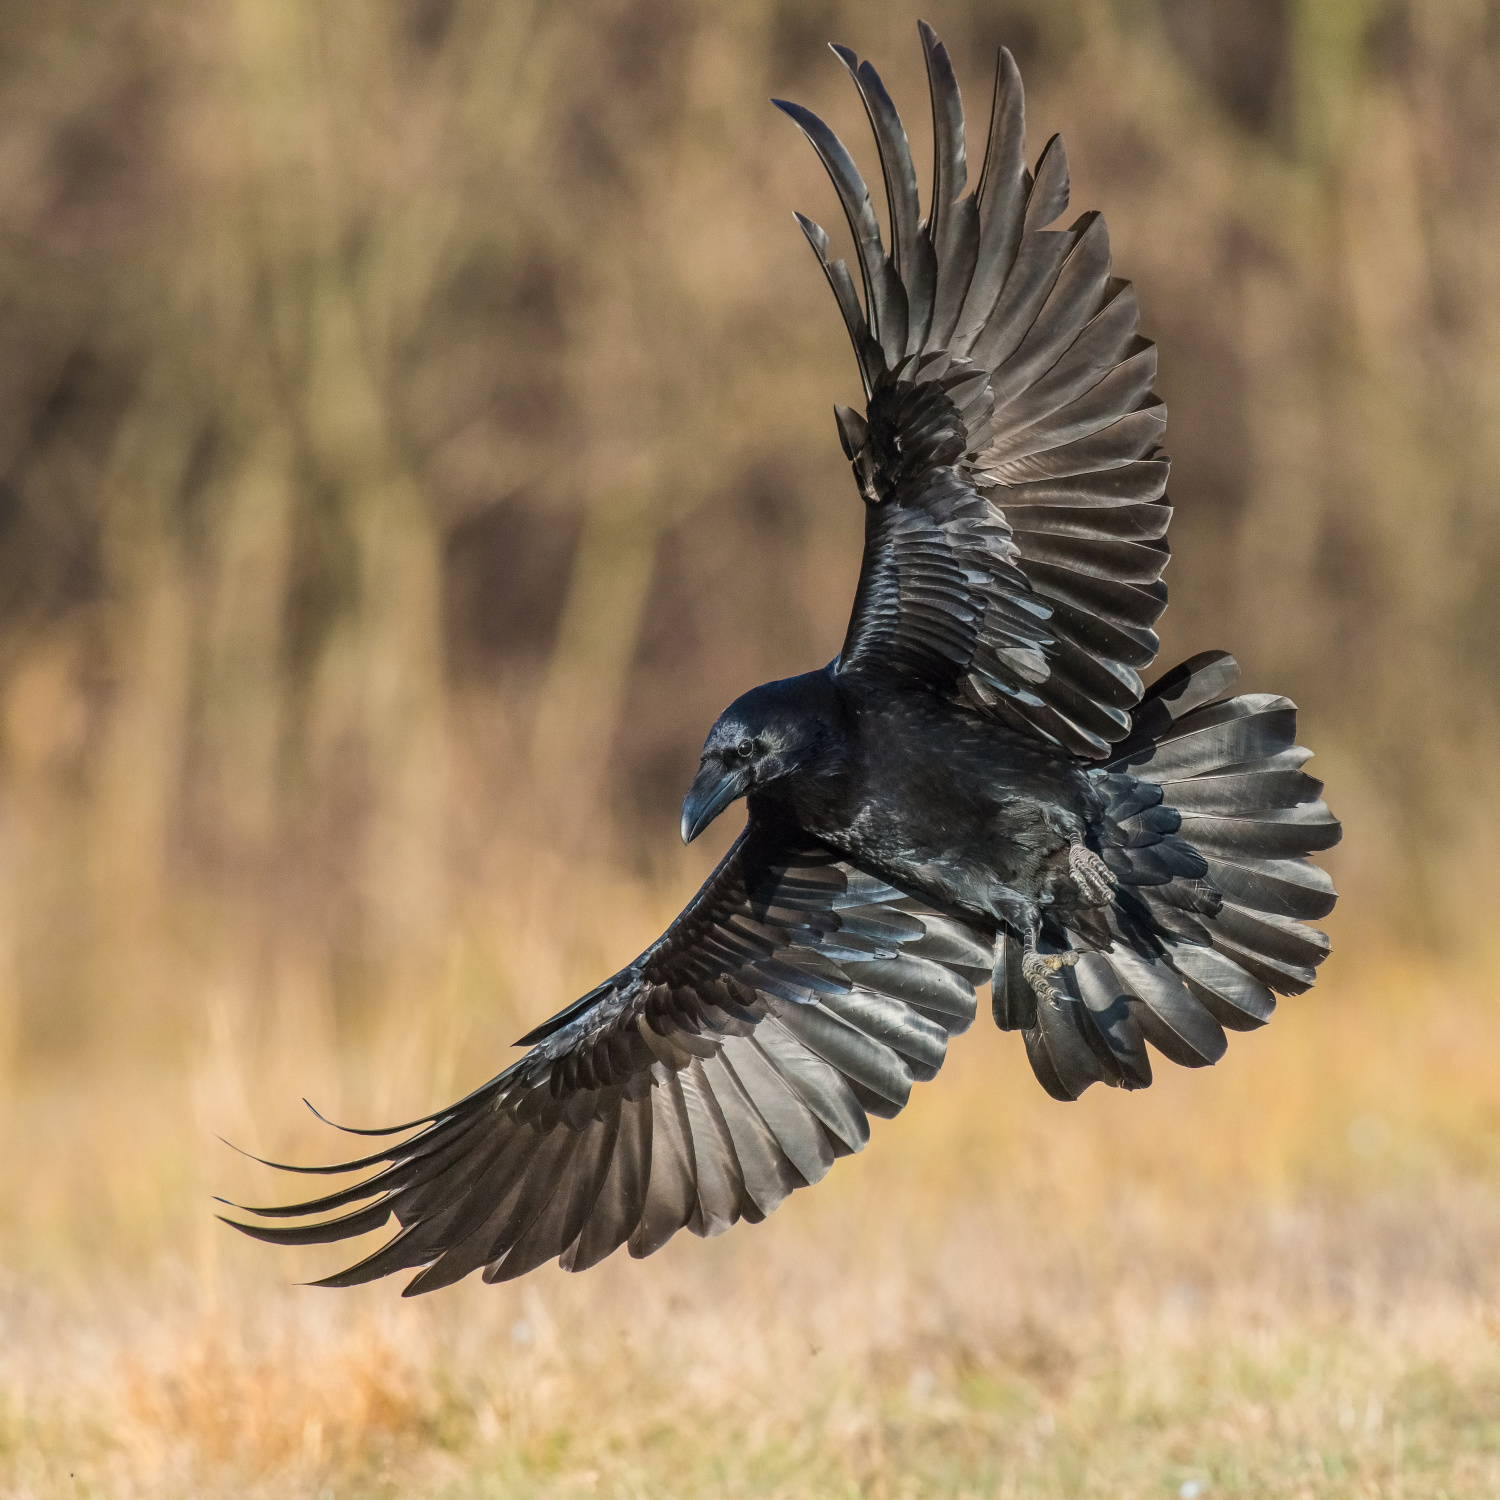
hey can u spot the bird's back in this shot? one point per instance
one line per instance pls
(943, 799)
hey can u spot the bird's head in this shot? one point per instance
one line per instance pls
(761, 740)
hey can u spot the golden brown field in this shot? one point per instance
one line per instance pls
(1275, 1278)
(414, 427)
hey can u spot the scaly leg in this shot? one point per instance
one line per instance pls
(1037, 967)
(1094, 879)
(1040, 967)
(1024, 916)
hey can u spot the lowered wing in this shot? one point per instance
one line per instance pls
(1008, 458)
(732, 1062)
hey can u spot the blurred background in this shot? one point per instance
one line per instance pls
(415, 425)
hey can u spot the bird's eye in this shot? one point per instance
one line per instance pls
(746, 748)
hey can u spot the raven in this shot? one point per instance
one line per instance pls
(978, 787)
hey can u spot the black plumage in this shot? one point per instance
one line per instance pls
(977, 787)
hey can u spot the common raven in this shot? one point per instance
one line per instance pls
(976, 787)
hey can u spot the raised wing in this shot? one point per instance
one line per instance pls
(1015, 517)
(733, 1061)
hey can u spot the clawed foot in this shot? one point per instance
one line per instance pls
(1094, 879)
(1038, 969)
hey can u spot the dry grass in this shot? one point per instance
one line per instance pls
(1275, 1278)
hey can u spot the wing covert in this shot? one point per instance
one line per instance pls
(1008, 459)
(732, 1062)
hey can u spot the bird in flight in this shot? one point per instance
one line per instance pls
(977, 787)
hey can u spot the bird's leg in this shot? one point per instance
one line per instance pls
(1025, 917)
(1095, 880)
(1038, 968)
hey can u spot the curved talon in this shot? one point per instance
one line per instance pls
(1095, 880)
(1034, 969)
(1038, 969)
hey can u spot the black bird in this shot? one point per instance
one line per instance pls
(977, 786)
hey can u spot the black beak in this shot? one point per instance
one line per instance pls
(713, 789)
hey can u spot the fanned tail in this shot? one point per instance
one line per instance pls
(1210, 819)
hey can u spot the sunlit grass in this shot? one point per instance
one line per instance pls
(1276, 1277)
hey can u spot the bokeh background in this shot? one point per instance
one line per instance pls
(415, 424)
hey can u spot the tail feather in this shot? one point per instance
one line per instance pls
(1233, 997)
(1232, 794)
(1199, 680)
(1284, 887)
(1288, 942)
(1239, 732)
(1210, 817)
(1268, 832)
